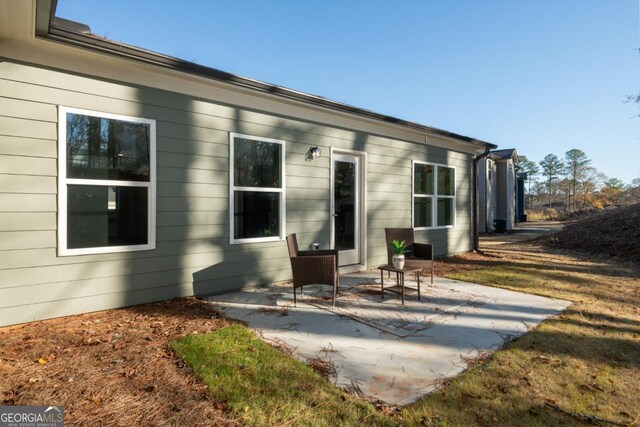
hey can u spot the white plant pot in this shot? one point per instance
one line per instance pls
(398, 261)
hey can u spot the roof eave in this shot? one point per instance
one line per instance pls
(46, 28)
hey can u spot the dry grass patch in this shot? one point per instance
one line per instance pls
(582, 366)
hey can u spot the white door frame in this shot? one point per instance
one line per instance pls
(361, 264)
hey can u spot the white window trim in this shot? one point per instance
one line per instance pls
(233, 188)
(434, 197)
(63, 181)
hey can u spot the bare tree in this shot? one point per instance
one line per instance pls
(631, 194)
(592, 180)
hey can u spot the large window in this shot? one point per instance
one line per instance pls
(434, 195)
(106, 184)
(256, 187)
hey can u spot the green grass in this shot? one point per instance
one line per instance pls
(260, 385)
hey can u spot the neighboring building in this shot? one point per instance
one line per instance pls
(501, 191)
(128, 176)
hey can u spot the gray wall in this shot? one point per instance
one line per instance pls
(193, 254)
(506, 201)
(487, 194)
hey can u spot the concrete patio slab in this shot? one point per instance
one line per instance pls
(379, 348)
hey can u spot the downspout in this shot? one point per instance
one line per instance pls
(475, 207)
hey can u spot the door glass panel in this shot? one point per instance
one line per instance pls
(345, 203)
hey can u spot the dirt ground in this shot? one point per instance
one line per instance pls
(614, 233)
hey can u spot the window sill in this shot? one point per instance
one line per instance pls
(105, 250)
(256, 240)
(442, 227)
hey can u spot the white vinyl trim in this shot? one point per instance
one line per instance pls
(63, 182)
(362, 199)
(434, 197)
(233, 188)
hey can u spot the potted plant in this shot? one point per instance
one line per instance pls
(398, 248)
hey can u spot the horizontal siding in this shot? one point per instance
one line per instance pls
(25, 128)
(46, 257)
(170, 265)
(193, 254)
(27, 165)
(12, 240)
(25, 184)
(29, 110)
(11, 202)
(27, 221)
(82, 92)
(31, 147)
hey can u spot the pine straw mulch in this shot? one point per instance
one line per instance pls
(112, 367)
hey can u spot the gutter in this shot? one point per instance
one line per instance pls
(475, 206)
(75, 34)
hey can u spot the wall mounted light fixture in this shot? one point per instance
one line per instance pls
(313, 153)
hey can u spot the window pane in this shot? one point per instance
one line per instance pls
(446, 181)
(100, 216)
(257, 214)
(99, 148)
(423, 179)
(445, 211)
(422, 212)
(256, 163)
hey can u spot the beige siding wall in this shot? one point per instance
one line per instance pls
(193, 253)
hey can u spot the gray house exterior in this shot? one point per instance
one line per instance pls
(128, 176)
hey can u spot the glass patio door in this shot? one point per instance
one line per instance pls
(345, 207)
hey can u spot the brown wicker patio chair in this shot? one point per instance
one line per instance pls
(418, 254)
(313, 267)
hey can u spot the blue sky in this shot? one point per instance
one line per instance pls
(541, 76)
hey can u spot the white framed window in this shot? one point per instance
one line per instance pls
(434, 195)
(106, 182)
(256, 189)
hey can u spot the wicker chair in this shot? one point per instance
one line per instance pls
(418, 254)
(313, 267)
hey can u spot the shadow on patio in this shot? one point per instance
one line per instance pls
(379, 348)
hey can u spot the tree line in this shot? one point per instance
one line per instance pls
(571, 183)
